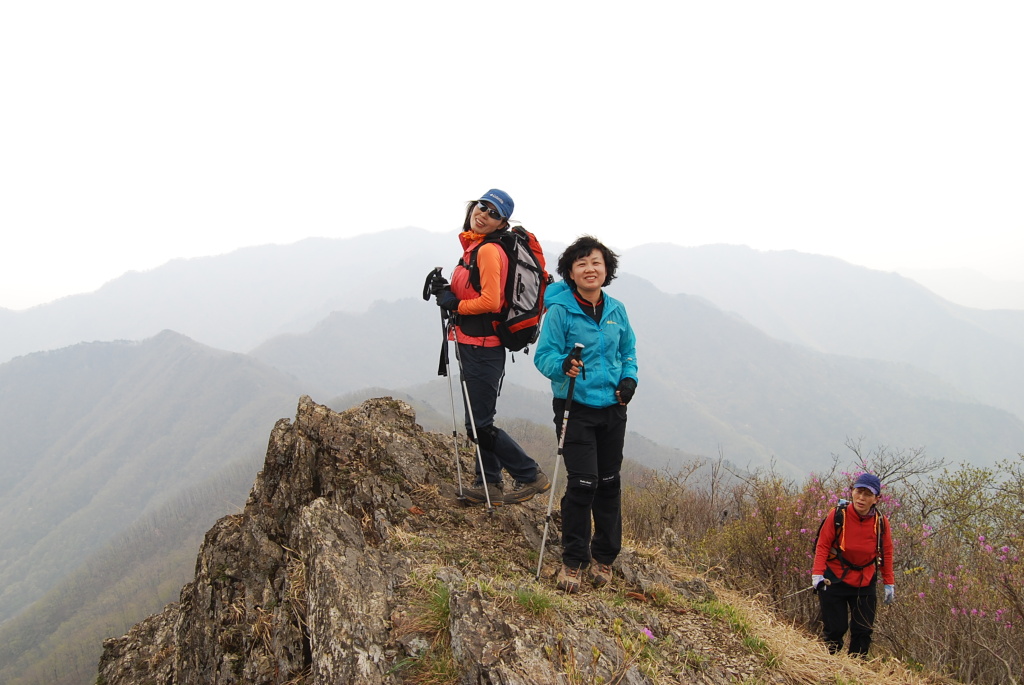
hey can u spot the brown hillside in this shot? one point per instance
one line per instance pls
(353, 562)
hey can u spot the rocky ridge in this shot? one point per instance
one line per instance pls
(353, 562)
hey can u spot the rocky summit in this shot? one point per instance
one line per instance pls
(353, 561)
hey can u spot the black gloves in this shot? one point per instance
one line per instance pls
(437, 283)
(446, 300)
(625, 390)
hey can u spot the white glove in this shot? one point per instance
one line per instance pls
(817, 581)
(890, 594)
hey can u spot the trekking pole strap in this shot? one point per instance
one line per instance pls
(443, 363)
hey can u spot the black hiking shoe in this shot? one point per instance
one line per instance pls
(525, 491)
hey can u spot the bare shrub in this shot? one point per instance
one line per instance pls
(677, 509)
(961, 608)
(957, 539)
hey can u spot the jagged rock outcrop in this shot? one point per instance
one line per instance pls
(353, 562)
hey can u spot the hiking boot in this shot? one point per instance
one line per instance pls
(569, 579)
(600, 574)
(476, 495)
(525, 491)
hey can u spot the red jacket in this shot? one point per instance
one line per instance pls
(858, 543)
(492, 263)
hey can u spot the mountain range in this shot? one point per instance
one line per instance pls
(100, 434)
(115, 403)
(828, 305)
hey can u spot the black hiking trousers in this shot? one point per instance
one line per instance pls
(845, 607)
(483, 369)
(592, 504)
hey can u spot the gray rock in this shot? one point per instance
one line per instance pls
(350, 565)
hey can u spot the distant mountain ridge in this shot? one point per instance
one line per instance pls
(829, 305)
(709, 382)
(241, 300)
(97, 435)
(237, 300)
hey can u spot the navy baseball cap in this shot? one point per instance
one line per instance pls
(866, 480)
(501, 200)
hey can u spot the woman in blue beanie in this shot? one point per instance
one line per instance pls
(475, 295)
(847, 562)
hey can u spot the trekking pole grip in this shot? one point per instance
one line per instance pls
(426, 283)
(577, 354)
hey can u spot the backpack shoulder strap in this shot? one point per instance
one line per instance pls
(474, 271)
(837, 518)
(840, 518)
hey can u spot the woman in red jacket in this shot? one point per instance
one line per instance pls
(847, 563)
(475, 299)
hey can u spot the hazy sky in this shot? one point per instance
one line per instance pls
(885, 133)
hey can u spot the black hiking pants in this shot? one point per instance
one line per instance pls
(483, 369)
(592, 504)
(845, 607)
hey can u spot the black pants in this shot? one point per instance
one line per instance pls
(483, 369)
(844, 607)
(592, 453)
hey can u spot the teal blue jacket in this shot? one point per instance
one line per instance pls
(609, 352)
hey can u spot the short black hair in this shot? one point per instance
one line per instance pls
(582, 247)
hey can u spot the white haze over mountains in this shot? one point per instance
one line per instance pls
(176, 375)
(885, 134)
(244, 299)
(969, 287)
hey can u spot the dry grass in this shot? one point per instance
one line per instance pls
(791, 654)
(694, 642)
(802, 659)
(295, 592)
(262, 629)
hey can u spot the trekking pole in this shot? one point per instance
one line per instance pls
(444, 369)
(576, 354)
(472, 424)
(465, 392)
(455, 425)
(827, 582)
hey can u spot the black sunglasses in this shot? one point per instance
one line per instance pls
(493, 213)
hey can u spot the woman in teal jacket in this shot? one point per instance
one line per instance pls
(578, 311)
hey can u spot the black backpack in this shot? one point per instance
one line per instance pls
(518, 324)
(836, 553)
